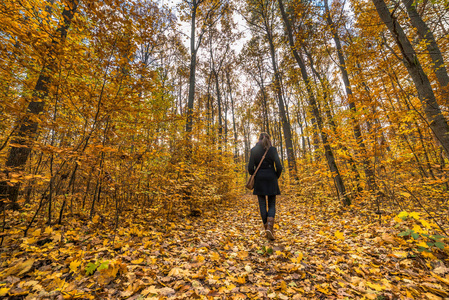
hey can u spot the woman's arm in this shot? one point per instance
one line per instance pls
(251, 163)
(277, 162)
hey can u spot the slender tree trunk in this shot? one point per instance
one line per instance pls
(193, 52)
(285, 123)
(219, 103)
(303, 139)
(435, 119)
(426, 35)
(325, 87)
(228, 79)
(369, 172)
(266, 124)
(312, 101)
(18, 155)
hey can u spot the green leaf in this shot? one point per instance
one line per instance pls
(440, 245)
(422, 249)
(270, 250)
(103, 265)
(415, 235)
(430, 244)
(90, 268)
(405, 233)
(436, 237)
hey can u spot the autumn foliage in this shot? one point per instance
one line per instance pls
(126, 126)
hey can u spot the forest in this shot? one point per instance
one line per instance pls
(126, 129)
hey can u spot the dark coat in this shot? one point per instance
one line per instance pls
(266, 179)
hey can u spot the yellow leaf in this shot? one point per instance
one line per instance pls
(297, 259)
(445, 280)
(150, 290)
(26, 266)
(37, 232)
(414, 215)
(428, 255)
(339, 235)
(48, 230)
(375, 286)
(397, 219)
(431, 296)
(400, 254)
(403, 214)
(323, 290)
(137, 261)
(4, 291)
(280, 253)
(96, 219)
(175, 272)
(200, 258)
(214, 256)
(418, 229)
(426, 224)
(74, 265)
(242, 254)
(241, 280)
(19, 269)
(423, 244)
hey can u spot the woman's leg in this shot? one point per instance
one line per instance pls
(270, 217)
(271, 206)
(263, 208)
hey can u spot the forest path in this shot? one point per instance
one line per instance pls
(321, 252)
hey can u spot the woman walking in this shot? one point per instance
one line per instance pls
(266, 180)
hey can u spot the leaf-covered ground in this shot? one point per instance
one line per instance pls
(319, 253)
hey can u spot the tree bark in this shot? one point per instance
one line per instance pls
(22, 144)
(426, 35)
(369, 172)
(193, 51)
(228, 79)
(285, 122)
(312, 101)
(435, 119)
(325, 87)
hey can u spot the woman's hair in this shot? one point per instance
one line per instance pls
(264, 139)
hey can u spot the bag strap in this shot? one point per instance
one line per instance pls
(263, 157)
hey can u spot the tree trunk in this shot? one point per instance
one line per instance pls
(435, 119)
(285, 123)
(228, 79)
(369, 172)
(19, 152)
(220, 119)
(193, 51)
(327, 149)
(325, 87)
(426, 35)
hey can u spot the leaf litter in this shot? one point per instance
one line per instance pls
(319, 253)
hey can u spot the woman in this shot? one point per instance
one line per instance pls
(266, 180)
